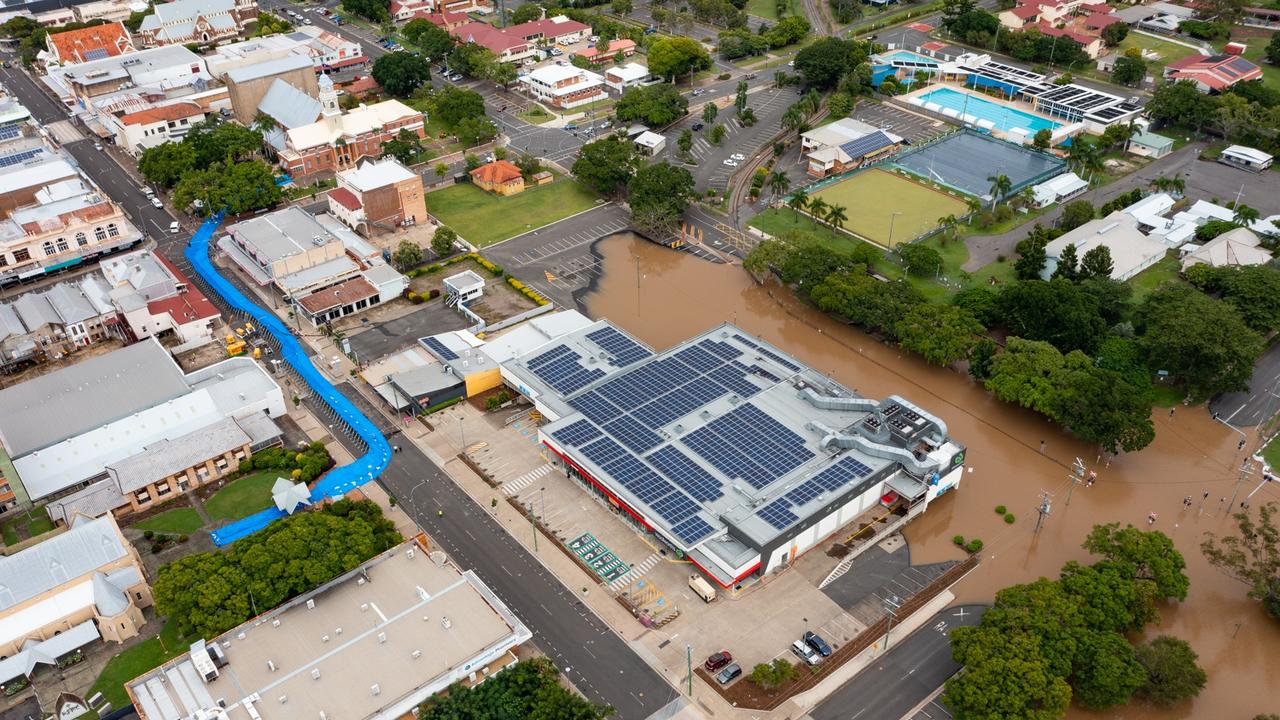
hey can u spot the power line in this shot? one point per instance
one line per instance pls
(1043, 509)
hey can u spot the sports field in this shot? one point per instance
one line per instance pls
(874, 198)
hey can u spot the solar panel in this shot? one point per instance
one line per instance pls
(698, 358)
(96, 54)
(603, 451)
(839, 474)
(674, 507)
(624, 350)
(439, 349)
(19, 158)
(679, 402)
(546, 357)
(563, 370)
(779, 359)
(693, 530)
(732, 378)
(643, 384)
(778, 514)
(644, 483)
(761, 439)
(8, 132)
(685, 473)
(578, 433)
(725, 457)
(596, 408)
(867, 144)
(632, 434)
(723, 349)
(804, 492)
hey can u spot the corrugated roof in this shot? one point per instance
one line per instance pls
(162, 113)
(498, 171)
(268, 68)
(89, 43)
(345, 198)
(289, 106)
(60, 559)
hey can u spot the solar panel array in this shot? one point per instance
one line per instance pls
(623, 350)
(578, 433)
(562, 369)
(748, 444)
(9, 132)
(439, 349)
(769, 354)
(19, 157)
(779, 513)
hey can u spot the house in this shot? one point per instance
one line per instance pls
(91, 43)
(378, 195)
(154, 298)
(1026, 13)
(362, 87)
(506, 46)
(1059, 189)
(71, 590)
(500, 176)
(1091, 44)
(341, 660)
(340, 140)
(650, 143)
(1149, 144)
(564, 86)
(444, 20)
(404, 10)
(624, 76)
(593, 55)
(316, 263)
(558, 30)
(1235, 248)
(201, 22)
(1246, 158)
(248, 85)
(1212, 73)
(137, 131)
(1020, 16)
(1131, 250)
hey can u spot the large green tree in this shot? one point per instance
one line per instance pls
(655, 106)
(1025, 373)
(941, 334)
(865, 301)
(1172, 672)
(401, 73)
(1202, 343)
(1006, 676)
(216, 142)
(672, 57)
(1057, 312)
(606, 165)
(658, 195)
(1106, 672)
(1101, 406)
(165, 164)
(375, 10)
(454, 104)
(824, 62)
(235, 188)
(528, 690)
(1148, 556)
(1253, 556)
(1112, 600)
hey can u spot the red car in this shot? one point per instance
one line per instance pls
(717, 661)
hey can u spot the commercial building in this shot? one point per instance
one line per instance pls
(136, 131)
(506, 46)
(624, 47)
(725, 449)
(77, 587)
(155, 299)
(48, 323)
(202, 22)
(329, 52)
(558, 30)
(369, 645)
(844, 145)
(1131, 250)
(564, 86)
(378, 196)
(62, 431)
(67, 221)
(1212, 73)
(167, 72)
(650, 143)
(340, 140)
(315, 262)
(91, 43)
(248, 85)
(230, 56)
(624, 76)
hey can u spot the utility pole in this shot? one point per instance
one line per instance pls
(533, 525)
(1245, 471)
(1077, 473)
(688, 663)
(1043, 509)
(891, 605)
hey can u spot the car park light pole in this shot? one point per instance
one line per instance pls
(891, 605)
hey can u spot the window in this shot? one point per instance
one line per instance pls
(4, 259)
(62, 245)
(112, 230)
(143, 496)
(99, 233)
(21, 255)
(163, 489)
(138, 595)
(48, 248)
(81, 240)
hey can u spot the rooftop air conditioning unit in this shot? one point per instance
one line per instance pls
(416, 654)
(271, 665)
(311, 604)
(382, 637)
(275, 623)
(315, 673)
(375, 689)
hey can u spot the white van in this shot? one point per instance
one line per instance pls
(702, 588)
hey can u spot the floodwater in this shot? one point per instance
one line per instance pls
(663, 297)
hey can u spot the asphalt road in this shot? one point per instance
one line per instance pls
(596, 660)
(1262, 400)
(903, 678)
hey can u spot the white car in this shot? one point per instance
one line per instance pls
(731, 162)
(175, 227)
(738, 156)
(156, 203)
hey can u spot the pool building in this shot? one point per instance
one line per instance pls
(725, 449)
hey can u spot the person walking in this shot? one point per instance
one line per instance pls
(1151, 519)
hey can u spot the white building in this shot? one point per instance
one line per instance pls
(1131, 250)
(137, 131)
(564, 86)
(650, 143)
(1246, 157)
(1059, 189)
(163, 73)
(624, 76)
(154, 298)
(1234, 248)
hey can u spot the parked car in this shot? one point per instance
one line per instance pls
(97, 146)
(717, 661)
(155, 202)
(697, 126)
(606, 124)
(738, 156)
(728, 674)
(557, 52)
(805, 653)
(530, 62)
(594, 39)
(650, 30)
(816, 642)
(571, 126)
(730, 162)
(697, 91)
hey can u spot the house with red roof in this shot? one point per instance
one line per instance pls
(1212, 73)
(507, 46)
(626, 46)
(1091, 44)
(558, 30)
(501, 177)
(1019, 17)
(92, 43)
(443, 20)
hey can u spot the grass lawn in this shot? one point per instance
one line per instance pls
(36, 521)
(1167, 51)
(1271, 453)
(1257, 53)
(1153, 277)
(536, 115)
(1166, 396)
(136, 660)
(244, 496)
(179, 521)
(484, 219)
(878, 202)
(768, 9)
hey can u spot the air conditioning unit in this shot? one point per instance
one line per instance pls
(315, 673)
(376, 689)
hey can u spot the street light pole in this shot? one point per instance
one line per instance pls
(892, 217)
(892, 605)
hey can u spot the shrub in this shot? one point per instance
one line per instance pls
(183, 538)
(156, 548)
(1009, 518)
(435, 293)
(1000, 510)
(148, 534)
(722, 76)
(974, 546)
(958, 540)
(492, 403)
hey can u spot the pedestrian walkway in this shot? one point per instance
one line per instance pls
(635, 573)
(515, 486)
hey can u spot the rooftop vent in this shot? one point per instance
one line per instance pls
(271, 665)
(376, 689)
(315, 673)
(275, 623)
(382, 637)
(311, 604)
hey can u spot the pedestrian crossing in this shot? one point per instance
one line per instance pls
(514, 486)
(635, 572)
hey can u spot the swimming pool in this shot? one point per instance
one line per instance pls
(1003, 117)
(905, 56)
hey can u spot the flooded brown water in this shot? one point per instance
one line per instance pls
(677, 295)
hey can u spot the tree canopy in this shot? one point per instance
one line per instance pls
(671, 57)
(1253, 556)
(941, 334)
(165, 164)
(528, 690)
(1203, 343)
(1057, 312)
(655, 105)
(1171, 670)
(236, 188)
(823, 62)
(435, 41)
(375, 10)
(659, 194)
(606, 165)
(401, 73)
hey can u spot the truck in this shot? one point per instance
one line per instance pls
(702, 588)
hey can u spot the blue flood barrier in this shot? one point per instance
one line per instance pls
(338, 481)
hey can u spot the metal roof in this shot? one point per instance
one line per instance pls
(59, 560)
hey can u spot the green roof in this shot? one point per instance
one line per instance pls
(1152, 140)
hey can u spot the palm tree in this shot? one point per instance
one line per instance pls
(263, 122)
(792, 119)
(974, 206)
(836, 216)
(1000, 186)
(948, 225)
(798, 202)
(1084, 156)
(778, 183)
(818, 208)
(1245, 215)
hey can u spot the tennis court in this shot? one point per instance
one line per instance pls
(965, 160)
(876, 199)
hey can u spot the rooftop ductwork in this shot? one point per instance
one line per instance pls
(834, 438)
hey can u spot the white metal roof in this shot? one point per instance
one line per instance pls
(1251, 154)
(375, 174)
(59, 560)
